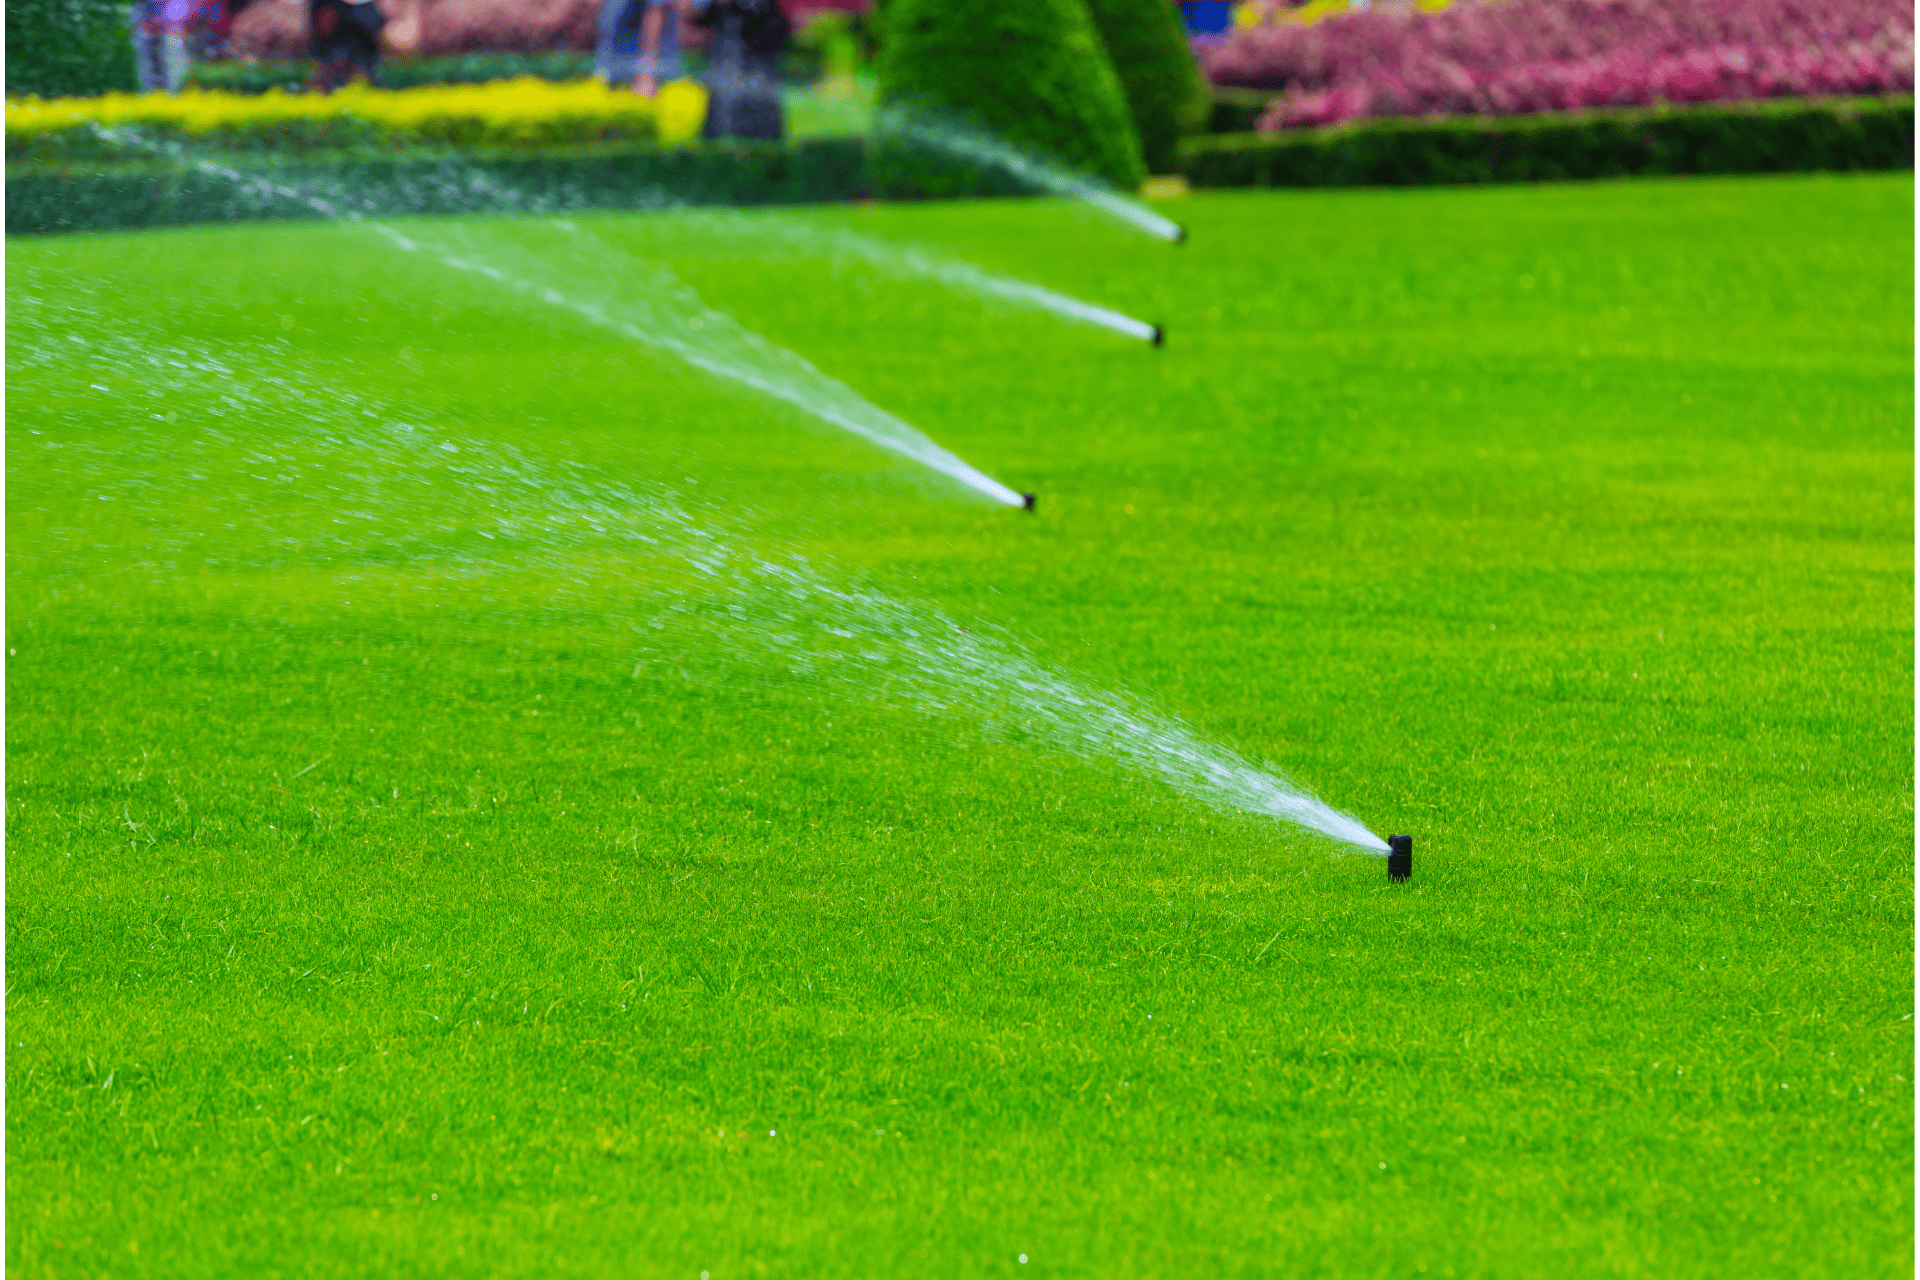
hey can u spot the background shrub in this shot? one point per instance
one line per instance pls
(58, 48)
(1035, 73)
(1239, 110)
(1165, 89)
(55, 196)
(1778, 136)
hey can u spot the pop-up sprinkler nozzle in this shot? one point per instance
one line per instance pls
(1179, 234)
(1399, 857)
(1159, 336)
(1027, 500)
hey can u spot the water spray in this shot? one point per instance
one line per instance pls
(1399, 858)
(668, 311)
(683, 575)
(962, 275)
(958, 138)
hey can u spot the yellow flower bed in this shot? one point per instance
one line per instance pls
(504, 113)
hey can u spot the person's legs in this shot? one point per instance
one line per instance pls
(616, 57)
(142, 68)
(322, 19)
(344, 49)
(759, 114)
(743, 91)
(365, 58)
(173, 60)
(666, 58)
(147, 62)
(723, 87)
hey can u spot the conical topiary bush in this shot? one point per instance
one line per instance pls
(1167, 93)
(1033, 72)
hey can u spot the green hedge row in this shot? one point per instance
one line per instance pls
(68, 48)
(56, 196)
(1773, 136)
(53, 197)
(1238, 110)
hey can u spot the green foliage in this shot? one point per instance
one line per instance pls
(89, 192)
(875, 21)
(1238, 110)
(383, 902)
(1166, 92)
(1035, 74)
(833, 41)
(68, 48)
(1786, 135)
(90, 195)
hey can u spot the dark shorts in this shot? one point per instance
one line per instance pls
(345, 42)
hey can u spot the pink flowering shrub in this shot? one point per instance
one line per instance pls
(1503, 57)
(278, 28)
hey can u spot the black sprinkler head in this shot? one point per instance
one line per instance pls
(1027, 500)
(1159, 336)
(1399, 857)
(1179, 234)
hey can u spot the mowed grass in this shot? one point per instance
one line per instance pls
(389, 898)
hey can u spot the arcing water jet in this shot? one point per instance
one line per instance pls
(662, 311)
(734, 353)
(675, 574)
(965, 276)
(912, 262)
(958, 138)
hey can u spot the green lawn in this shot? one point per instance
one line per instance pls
(416, 872)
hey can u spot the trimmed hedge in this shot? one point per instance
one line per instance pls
(55, 197)
(72, 195)
(1771, 136)
(1165, 91)
(1035, 74)
(1238, 110)
(68, 48)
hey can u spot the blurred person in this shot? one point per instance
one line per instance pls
(168, 35)
(639, 43)
(346, 42)
(743, 68)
